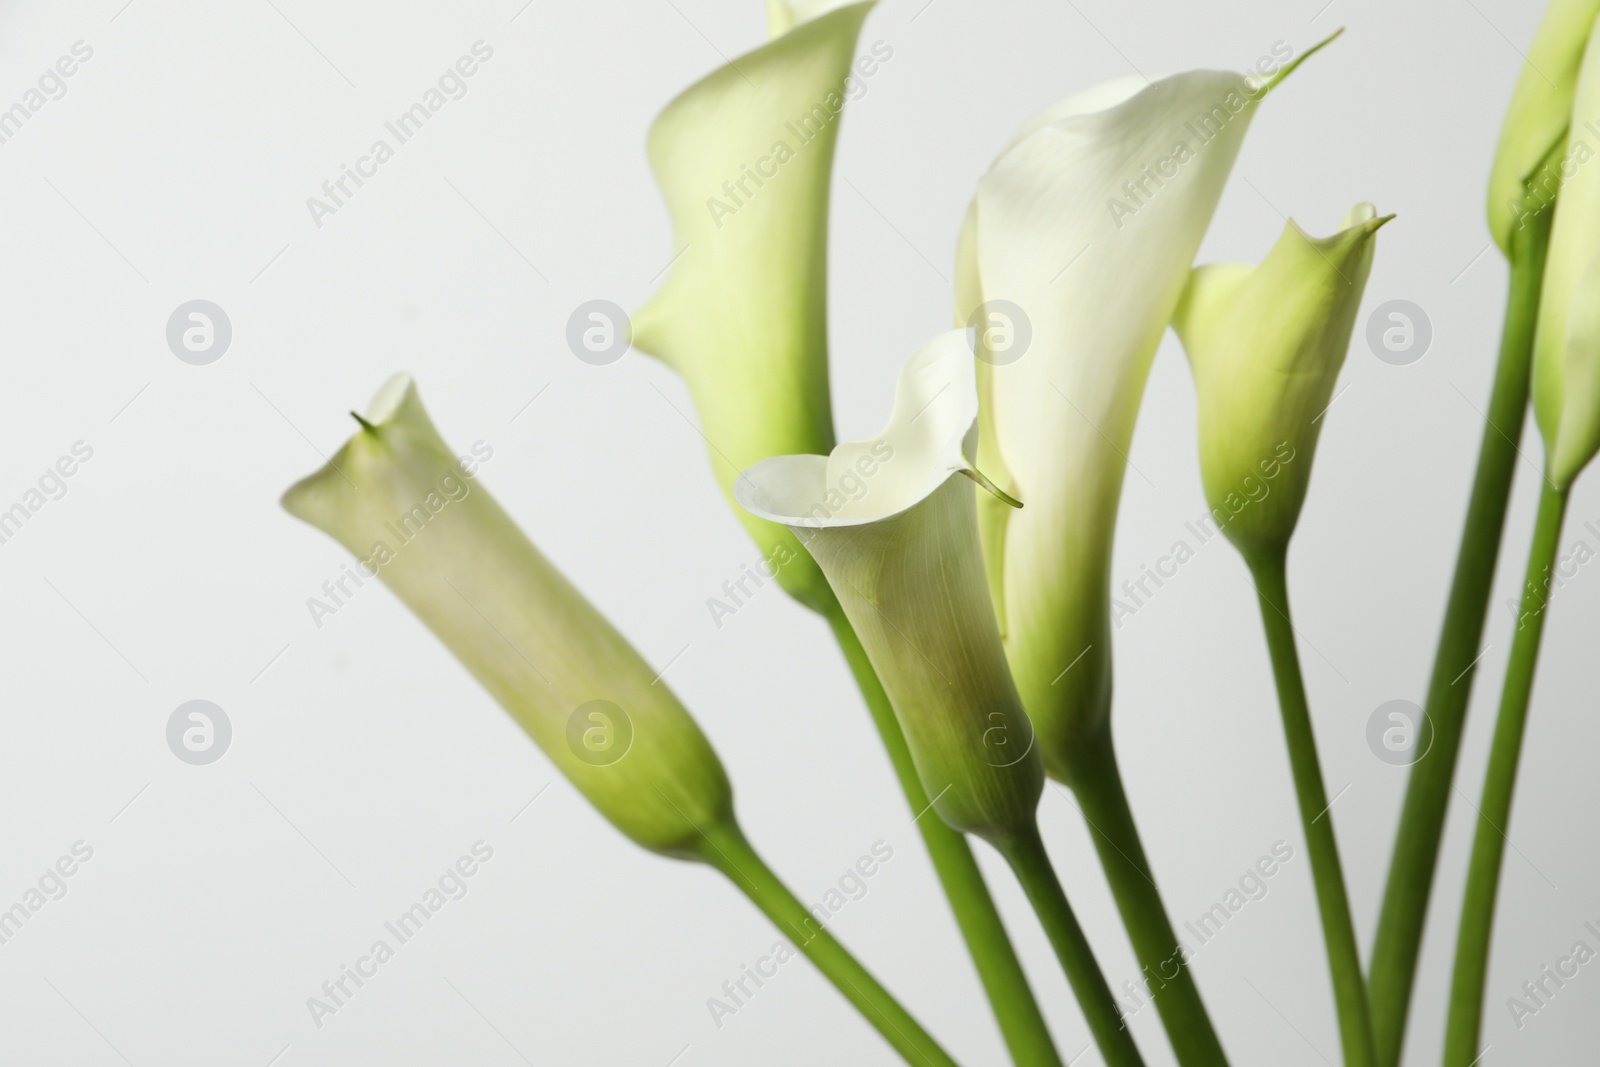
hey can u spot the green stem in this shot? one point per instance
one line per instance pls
(1028, 859)
(727, 850)
(1015, 1009)
(1097, 782)
(1416, 845)
(1333, 903)
(1494, 814)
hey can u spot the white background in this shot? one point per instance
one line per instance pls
(364, 760)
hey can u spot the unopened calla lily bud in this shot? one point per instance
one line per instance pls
(1523, 181)
(404, 504)
(895, 531)
(1266, 344)
(744, 158)
(1566, 346)
(1075, 249)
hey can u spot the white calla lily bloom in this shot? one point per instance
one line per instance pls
(895, 532)
(1083, 231)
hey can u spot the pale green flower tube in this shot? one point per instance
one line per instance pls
(744, 158)
(1541, 113)
(896, 533)
(397, 498)
(1266, 344)
(1566, 346)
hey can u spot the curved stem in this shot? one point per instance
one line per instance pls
(1494, 814)
(1170, 983)
(1015, 1009)
(1028, 859)
(1416, 845)
(727, 850)
(1333, 903)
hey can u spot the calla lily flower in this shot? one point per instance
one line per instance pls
(398, 498)
(895, 531)
(1522, 180)
(1081, 234)
(405, 505)
(1566, 347)
(1266, 344)
(744, 158)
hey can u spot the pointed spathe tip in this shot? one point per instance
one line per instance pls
(1290, 69)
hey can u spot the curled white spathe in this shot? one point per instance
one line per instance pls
(931, 436)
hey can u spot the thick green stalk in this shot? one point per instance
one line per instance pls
(1494, 814)
(1098, 784)
(1028, 859)
(1416, 845)
(1333, 903)
(1021, 1023)
(726, 849)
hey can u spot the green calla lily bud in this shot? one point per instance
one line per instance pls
(1566, 346)
(1266, 344)
(744, 159)
(895, 531)
(1116, 182)
(413, 514)
(1523, 180)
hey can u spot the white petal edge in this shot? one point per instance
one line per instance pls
(930, 436)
